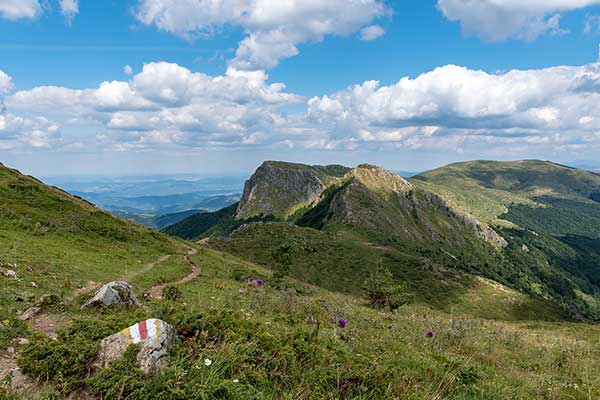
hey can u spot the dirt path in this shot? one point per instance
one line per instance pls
(145, 269)
(46, 324)
(155, 292)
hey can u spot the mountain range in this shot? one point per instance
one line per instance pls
(495, 267)
(531, 225)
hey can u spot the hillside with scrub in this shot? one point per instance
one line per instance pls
(482, 219)
(375, 289)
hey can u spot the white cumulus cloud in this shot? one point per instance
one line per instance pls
(69, 9)
(371, 32)
(496, 20)
(453, 103)
(5, 82)
(274, 27)
(16, 9)
(167, 103)
(32, 9)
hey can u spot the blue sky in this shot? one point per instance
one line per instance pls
(220, 89)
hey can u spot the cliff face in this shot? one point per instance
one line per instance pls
(279, 189)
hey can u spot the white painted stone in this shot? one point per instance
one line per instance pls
(156, 337)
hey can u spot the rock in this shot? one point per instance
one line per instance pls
(113, 294)
(10, 350)
(33, 284)
(156, 337)
(9, 273)
(277, 188)
(21, 341)
(30, 313)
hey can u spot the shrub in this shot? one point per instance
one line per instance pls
(65, 361)
(172, 293)
(283, 257)
(12, 327)
(384, 292)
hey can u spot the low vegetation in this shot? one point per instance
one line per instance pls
(243, 341)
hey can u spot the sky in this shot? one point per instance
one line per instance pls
(218, 86)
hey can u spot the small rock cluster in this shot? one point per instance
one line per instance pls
(155, 336)
(9, 273)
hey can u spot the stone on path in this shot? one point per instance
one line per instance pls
(112, 294)
(156, 337)
(30, 313)
(21, 341)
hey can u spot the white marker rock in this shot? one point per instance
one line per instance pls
(156, 337)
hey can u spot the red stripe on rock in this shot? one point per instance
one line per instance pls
(143, 330)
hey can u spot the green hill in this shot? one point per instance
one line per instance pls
(57, 243)
(489, 190)
(549, 213)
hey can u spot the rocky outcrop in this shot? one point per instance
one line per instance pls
(483, 231)
(114, 294)
(278, 189)
(156, 338)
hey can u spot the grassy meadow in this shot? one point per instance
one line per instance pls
(285, 342)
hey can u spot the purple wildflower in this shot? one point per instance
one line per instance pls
(311, 320)
(430, 334)
(390, 328)
(342, 322)
(260, 282)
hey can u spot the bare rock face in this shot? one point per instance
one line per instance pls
(156, 338)
(112, 294)
(278, 188)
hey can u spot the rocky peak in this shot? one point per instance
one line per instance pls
(280, 188)
(380, 179)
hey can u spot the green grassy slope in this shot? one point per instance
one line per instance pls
(555, 211)
(59, 243)
(343, 261)
(487, 189)
(260, 340)
(262, 346)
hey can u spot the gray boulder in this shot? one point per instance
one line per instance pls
(30, 313)
(113, 294)
(156, 338)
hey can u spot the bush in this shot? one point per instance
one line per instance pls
(65, 361)
(384, 292)
(172, 293)
(283, 257)
(12, 327)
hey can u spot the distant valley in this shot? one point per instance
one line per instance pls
(154, 201)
